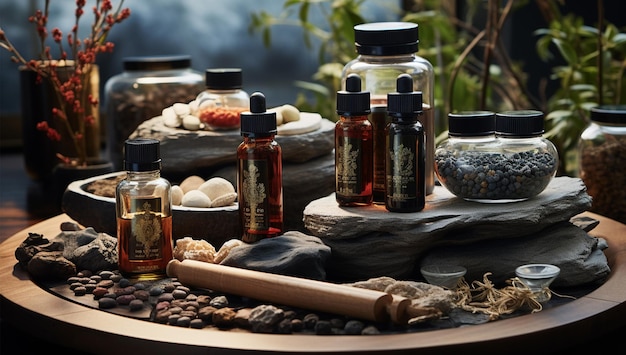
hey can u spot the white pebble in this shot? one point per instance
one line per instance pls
(181, 109)
(170, 119)
(196, 198)
(177, 195)
(191, 123)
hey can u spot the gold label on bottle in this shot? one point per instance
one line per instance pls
(146, 233)
(256, 204)
(349, 175)
(401, 181)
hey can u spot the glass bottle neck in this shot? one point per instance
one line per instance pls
(144, 175)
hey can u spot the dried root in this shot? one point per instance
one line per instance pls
(484, 297)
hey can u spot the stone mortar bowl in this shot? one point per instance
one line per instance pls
(215, 225)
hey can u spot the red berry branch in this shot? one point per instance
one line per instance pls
(72, 91)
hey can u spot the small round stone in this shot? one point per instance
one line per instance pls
(155, 291)
(106, 303)
(323, 327)
(179, 294)
(196, 323)
(80, 291)
(106, 275)
(124, 282)
(136, 305)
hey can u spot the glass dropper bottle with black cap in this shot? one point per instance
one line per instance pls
(259, 173)
(405, 185)
(143, 212)
(353, 146)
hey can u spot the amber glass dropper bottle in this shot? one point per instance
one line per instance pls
(259, 173)
(353, 146)
(405, 183)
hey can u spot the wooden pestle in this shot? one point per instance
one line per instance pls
(292, 291)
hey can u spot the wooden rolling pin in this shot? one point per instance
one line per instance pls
(292, 291)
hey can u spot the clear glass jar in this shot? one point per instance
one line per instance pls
(517, 165)
(386, 50)
(602, 156)
(220, 105)
(471, 135)
(145, 87)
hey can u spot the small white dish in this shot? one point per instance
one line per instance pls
(447, 276)
(538, 277)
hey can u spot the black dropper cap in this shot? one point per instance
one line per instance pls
(223, 78)
(258, 122)
(405, 104)
(386, 38)
(519, 124)
(471, 123)
(353, 101)
(142, 154)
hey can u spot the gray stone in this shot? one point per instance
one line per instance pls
(369, 242)
(292, 254)
(50, 265)
(99, 254)
(264, 318)
(578, 255)
(189, 152)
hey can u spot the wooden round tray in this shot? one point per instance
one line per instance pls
(34, 310)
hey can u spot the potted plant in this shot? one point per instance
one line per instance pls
(60, 91)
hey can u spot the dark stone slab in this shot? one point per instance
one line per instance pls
(371, 242)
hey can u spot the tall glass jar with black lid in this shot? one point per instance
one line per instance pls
(602, 158)
(386, 50)
(147, 85)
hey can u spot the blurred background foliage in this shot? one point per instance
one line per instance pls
(470, 44)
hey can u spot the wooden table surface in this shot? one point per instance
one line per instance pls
(34, 320)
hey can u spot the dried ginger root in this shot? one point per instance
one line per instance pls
(189, 248)
(201, 250)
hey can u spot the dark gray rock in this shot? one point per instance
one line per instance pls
(369, 242)
(50, 265)
(292, 254)
(578, 255)
(99, 254)
(32, 245)
(88, 249)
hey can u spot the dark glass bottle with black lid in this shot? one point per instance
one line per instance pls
(405, 185)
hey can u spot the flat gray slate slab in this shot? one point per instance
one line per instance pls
(371, 242)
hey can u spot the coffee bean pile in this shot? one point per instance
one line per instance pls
(171, 303)
(495, 176)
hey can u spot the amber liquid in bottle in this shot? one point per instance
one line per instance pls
(379, 120)
(353, 161)
(260, 193)
(137, 259)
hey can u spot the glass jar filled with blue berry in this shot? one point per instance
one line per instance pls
(514, 163)
(602, 156)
